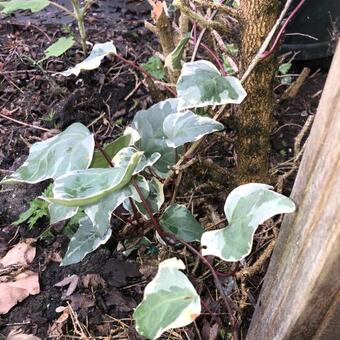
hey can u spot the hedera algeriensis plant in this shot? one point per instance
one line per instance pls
(130, 172)
(80, 9)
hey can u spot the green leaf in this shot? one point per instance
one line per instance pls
(174, 59)
(100, 212)
(111, 149)
(85, 187)
(95, 230)
(155, 67)
(37, 210)
(201, 84)
(133, 244)
(229, 65)
(93, 61)
(58, 48)
(86, 239)
(11, 6)
(246, 208)
(155, 198)
(286, 80)
(59, 212)
(284, 68)
(122, 158)
(72, 225)
(178, 220)
(149, 124)
(184, 127)
(135, 136)
(232, 49)
(56, 211)
(69, 150)
(170, 301)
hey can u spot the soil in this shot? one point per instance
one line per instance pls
(109, 284)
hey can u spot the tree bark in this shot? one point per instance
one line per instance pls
(255, 121)
(166, 37)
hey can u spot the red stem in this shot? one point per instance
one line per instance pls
(217, 59)
(212, 53)
(104, 153)
(266, 54)
(173, 240)
(154, 220)
(140, 69)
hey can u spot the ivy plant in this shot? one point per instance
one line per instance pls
(78, 12)
(58, 48)
(130, 172)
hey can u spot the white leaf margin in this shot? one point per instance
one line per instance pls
(210, 239)
(205, 124)
(60, 212)
(76, 131)
(189, 69)
(93, 61)
(189, 314)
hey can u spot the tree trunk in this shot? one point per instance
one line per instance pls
(256, 17)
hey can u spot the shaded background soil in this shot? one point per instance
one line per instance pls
(106, 100)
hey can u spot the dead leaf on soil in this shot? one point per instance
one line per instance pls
(22, 253)
(210, 331)
(93, 280)
(81, 301)
(56, 329)
(117, 272)
(104, 329)
(121, 302)
(17, 288)
(71, 282)
(148, 270)
(3, 246)
(48, 256)
(214, 330)
(17, 334)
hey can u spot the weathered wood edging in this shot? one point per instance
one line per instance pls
(300, 298)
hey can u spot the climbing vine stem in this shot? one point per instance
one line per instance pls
(173, 240)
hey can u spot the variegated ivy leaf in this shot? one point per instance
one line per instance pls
(149, 124)
(174, 59)
(184, 127)
(8, 7)
(85, 240)
(126, 247)
(246, 208)
(154, 196)
(93, 61)
(201, 84)
(111, 149)
(135, 136)
(59, 212)
(100, 212)
(122, 158)
(85, 187)
(170, 301)
(56, 156)
(178, 220)
(97, 226)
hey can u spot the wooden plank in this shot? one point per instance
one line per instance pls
(300, 297)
